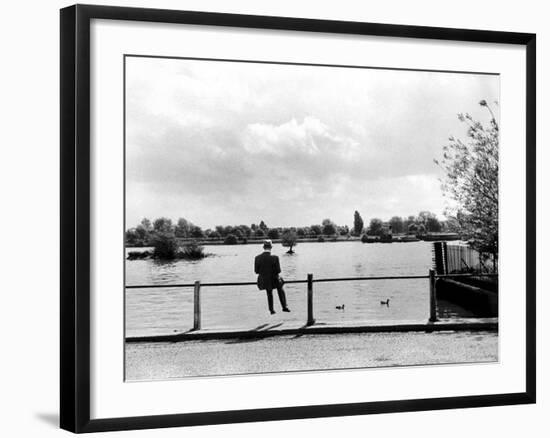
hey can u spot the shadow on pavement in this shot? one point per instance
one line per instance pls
(250, 335)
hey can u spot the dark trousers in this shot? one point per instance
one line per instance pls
(282, 297)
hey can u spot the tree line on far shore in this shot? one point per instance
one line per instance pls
(424, 222)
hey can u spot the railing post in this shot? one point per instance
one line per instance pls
(197, 306)
(310, 319)
(433, 299)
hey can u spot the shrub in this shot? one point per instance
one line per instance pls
(165, 246)
(137, 255)
(364, 238)
(193, 251)
(231, 239)
(320, 239)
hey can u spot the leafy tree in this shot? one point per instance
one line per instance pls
(408, 222)
(196, 232)
(137, 236)
(289, 239)
(263, 226)
(301, 232)
(423, 216)
(245, 230)
(163, 225)
(358, 223)
(433, 224)
(142, 235)
(146, 224)
(429, 220)
(183, 228)
(343, 230)
(329, 227)
(316, 230)
(397, 225)
(273, 233)
(471, 181)
(238, 233)
(375, 227)
(452, 225)
(214, 235)
(131, 236)
(259, 233)
(413, 228)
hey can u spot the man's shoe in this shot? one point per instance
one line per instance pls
(286, 309)
(272, 312)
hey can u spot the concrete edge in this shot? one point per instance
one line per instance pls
(427, 327)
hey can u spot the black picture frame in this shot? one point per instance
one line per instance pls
(75, 217)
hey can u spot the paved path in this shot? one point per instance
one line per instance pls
(282, 328)
(149, 361)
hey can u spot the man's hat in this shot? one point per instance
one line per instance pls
(268, 243)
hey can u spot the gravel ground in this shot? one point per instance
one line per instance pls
(150, 361)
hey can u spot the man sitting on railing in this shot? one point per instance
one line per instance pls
(268, 269)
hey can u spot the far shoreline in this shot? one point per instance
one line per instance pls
(401, 238)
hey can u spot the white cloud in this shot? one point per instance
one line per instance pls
(309, 137)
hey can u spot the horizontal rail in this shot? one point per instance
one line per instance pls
(315, 280)
(466, 275)
(403, 277)
(238, 283)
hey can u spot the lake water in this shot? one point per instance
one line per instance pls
(167, 310)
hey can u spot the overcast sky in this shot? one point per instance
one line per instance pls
(227, 143)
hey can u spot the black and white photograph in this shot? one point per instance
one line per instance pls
(275, 219)
(284, 217)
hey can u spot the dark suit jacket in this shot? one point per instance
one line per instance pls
(268, 268)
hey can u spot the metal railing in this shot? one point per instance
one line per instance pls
(462, 258)
(432, 277)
